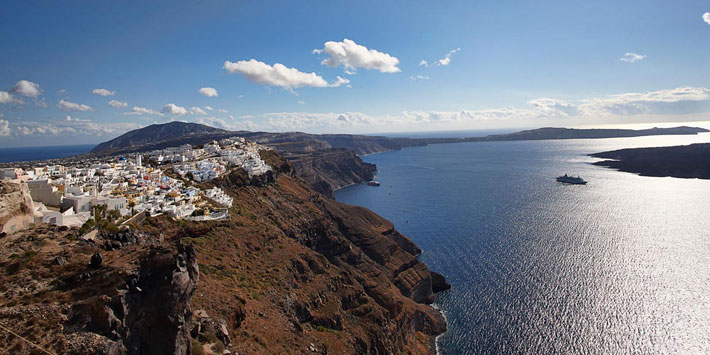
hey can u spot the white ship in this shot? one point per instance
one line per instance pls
(571, 180)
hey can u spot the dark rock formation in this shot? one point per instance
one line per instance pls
(330, 169)
(96, 260)
(158, 302)
(689, 161)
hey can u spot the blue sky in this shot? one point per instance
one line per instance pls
(511, 65)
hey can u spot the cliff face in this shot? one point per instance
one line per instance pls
(16, 207)
(329, 169)
(291, 271)
(106, 297)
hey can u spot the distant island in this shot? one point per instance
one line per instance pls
(688, 161)
(172, 134)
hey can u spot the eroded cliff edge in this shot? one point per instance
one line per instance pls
(291, 271)
(330, 169)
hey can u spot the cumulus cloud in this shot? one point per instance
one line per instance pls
(419, 77)
(26, 88)
(172, 109)
(136, 110)
(117, 104)
(339, 81)
(67, 127)
(4, 128)
(301, 102)
(222, 111)
(672, 102)
(233, 124)
(424, 63)
(353, 56)
(276, 75)
(632, 57)
(447, 58)
(208, 108)
(553, 107)
(197, 111)
(7, 98)
(208, 91)
(103, 92)
(75, 119)
(71, 106)
(706, 17)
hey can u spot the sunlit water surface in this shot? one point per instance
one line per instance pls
(621, 265)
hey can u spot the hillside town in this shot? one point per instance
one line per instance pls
(149, 183)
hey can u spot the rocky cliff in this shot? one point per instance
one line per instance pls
(330, 169)
(16, 206)
(291, 271)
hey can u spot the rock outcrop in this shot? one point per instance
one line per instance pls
(130, 301)
(16, 206)
(329, 169)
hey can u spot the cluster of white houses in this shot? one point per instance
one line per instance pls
(66, 195)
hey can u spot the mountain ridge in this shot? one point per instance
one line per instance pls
(177, 133)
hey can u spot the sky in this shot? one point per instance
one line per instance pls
(86, 71)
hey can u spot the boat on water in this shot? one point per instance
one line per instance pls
(373, 183)
(575, 180)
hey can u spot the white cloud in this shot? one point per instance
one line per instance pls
(75, 119)
(208, 91)
(632, 57)
(117, 104)
(67, 127)
(103, 92)
(141, 111)
(4, 128)
(208, 108)
(672, 102)
(7, 98)
(276, 75)
(706, 17)
(173, 109)
(222, 111)
(447, 58)
(419, 77)
(553, 107)
(197, 111)
(339, 81)
(26, 88)
(424, 63)
(353, 56)
(300, 102)
(71, 106)
(233, 124)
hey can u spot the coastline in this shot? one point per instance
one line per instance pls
(433, 340)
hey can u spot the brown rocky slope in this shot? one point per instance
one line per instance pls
(330, 169)
(291, 271)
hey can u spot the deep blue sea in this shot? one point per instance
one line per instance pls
(8, 155)
(619, 266)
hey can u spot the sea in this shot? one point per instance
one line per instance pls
(9, 155)
(618, 266)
